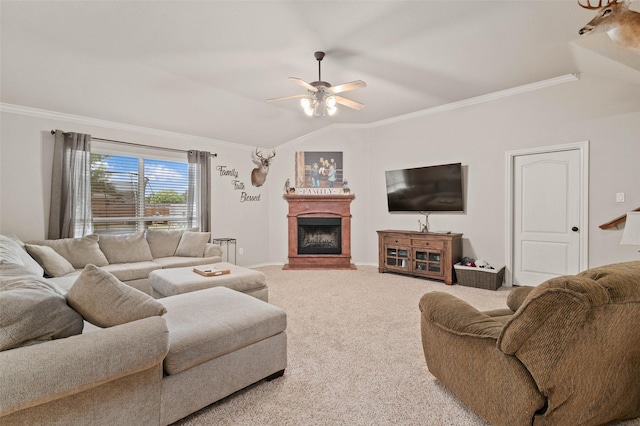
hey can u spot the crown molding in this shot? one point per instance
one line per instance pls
(41, 113)
(88, 121)
(567, 78)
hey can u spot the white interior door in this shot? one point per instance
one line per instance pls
(549, 218)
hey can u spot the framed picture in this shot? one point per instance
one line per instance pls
(319, 169)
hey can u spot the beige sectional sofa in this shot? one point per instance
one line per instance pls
(131, 258)
(150, 362)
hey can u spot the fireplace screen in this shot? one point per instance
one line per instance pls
(319, 235)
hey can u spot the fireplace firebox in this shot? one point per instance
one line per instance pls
(319, 229)
(319, 235)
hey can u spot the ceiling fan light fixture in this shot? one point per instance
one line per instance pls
(330, 105)
(319, 100)
(306, 106)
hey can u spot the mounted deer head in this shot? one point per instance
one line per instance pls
(621, 24)
(259, 174)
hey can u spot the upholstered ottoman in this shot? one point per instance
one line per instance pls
(169, 282)
(220, 341)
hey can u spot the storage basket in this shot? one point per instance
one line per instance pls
(469, 276)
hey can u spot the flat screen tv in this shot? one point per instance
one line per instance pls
(425, 189)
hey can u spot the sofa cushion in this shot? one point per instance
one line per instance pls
(179, 262)
(192, 244)
(78, 251)
(32, 309)
(65, 282)
(54, 264)
(213, 322)
(132, 274)
(125, 248)
(163, 242)
(131, 271)
(12, 247)
(105, 301)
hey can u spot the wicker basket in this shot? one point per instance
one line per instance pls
(489, 279)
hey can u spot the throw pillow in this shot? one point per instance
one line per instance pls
(105, 301)
(192, 244)
(78, 251)
(163, 242)
(12, 245)
(33, 310)
(125, 248)
(54, 265)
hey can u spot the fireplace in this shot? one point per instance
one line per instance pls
(319, 231)
(319, 235)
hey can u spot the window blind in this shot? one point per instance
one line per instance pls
(131, 193)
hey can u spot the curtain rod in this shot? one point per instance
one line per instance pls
(213, 154)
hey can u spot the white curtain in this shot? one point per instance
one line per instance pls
(70, 212)
(199, 190)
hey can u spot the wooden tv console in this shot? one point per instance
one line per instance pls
(423, 254)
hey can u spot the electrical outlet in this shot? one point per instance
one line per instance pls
(620, 197)
(241, 251)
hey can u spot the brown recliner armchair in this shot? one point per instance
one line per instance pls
(565, 353)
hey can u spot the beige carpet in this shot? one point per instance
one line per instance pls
(355, 355)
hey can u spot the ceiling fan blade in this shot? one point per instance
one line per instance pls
(287, 97)
(304, 84)
(349, 103)
(358, 84)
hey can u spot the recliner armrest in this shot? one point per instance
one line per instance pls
(457, 316)
(460, 348)
(517, 297)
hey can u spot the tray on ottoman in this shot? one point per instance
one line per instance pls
(210, 271)
(169, 282)
(469, 276)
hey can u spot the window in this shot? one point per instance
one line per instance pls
(130, 193)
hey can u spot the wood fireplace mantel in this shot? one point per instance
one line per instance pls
(319, 206)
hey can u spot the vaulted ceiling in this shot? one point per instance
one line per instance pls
(206, 68)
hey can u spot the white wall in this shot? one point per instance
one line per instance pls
(25, 178)
(595, 109)
(480, 135)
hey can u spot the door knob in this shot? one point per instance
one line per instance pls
(575, 229)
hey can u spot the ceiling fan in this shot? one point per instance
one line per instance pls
(321, 98)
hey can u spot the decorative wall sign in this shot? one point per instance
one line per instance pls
(237, 184)
(224, 171)
(319, 191)
(319, 170)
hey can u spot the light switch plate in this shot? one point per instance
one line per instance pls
(620, 197)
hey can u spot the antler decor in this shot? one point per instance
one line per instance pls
(621, 24)
(588, 6)
(259, 174)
